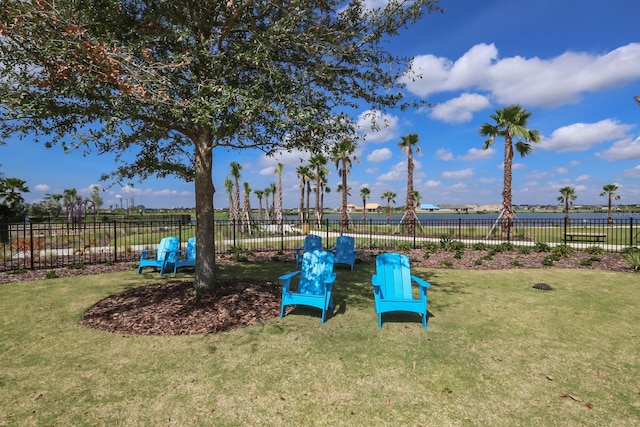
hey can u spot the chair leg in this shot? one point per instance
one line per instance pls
(380, 320)
(424, 320)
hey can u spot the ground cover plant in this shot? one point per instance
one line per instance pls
(497, 352)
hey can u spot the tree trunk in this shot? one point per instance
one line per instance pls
(410, 217)
(205, 276)
(507, 204)
(344, 219)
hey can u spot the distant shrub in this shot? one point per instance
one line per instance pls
(633, 259)
(479, 246)
(594, 250)
(524, 250)
(541, 247)
(51, 274)
(76, 266)
(563, 250)
(548, 260)
(446, 263)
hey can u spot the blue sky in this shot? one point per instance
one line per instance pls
(575, 64)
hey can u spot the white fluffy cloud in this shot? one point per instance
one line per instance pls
(472, 154)
(379, 155)
(624, 149)
(530, 81)
(460, 174)
(583, 136)
(460, 109)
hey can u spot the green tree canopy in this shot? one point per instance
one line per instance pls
(167, 82)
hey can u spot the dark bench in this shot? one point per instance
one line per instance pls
(589, 237)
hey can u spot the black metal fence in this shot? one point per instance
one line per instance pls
(44, 245)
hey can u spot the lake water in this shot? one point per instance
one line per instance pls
(492, 216)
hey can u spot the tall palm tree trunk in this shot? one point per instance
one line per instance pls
(507, 199)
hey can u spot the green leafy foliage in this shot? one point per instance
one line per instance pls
(562, 250)
(633, 259)
(541, 247)
(161, 84)
(594, 250)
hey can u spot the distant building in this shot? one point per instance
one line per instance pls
(371, 207)
(428, 207)
(458, 208)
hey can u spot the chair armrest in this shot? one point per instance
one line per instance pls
(287, 280)
(332, 249)
(288, 276)
(375, 281)
(420, 282)
(331, 278)
(145, 252)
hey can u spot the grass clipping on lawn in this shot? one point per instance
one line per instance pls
(497, 352)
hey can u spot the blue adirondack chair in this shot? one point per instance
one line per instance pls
(315, 283)
(186, 257)
(392, 289)
(162, 258)
(345, 251)
(311, 243)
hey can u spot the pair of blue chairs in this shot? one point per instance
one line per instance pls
(344, 251)
(169, 256)
(393, 288)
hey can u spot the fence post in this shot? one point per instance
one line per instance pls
(233, 228)
(31, 242)
(115, 240)
(630, 231)
(326, 228)
(459, 228)
(282, 235)
(564, 238)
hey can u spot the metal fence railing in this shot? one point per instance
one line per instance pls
(42, 245)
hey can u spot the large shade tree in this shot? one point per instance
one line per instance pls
(162, 84)
(511, 124)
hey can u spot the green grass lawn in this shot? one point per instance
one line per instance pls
(497, 352)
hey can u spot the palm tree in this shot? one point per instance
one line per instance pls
(11, 190)
(567, 196)
(364, 194)
(317, 162)
(407, 145)
(246, 206)
(259, 194)
(510, 123)
(302, 172)
(610, 190)
(228, 187)
(267, 193)
(323, 189)
(273, 191)
(342, 155)
(278, 171)
(235, 174)
(390, 197)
